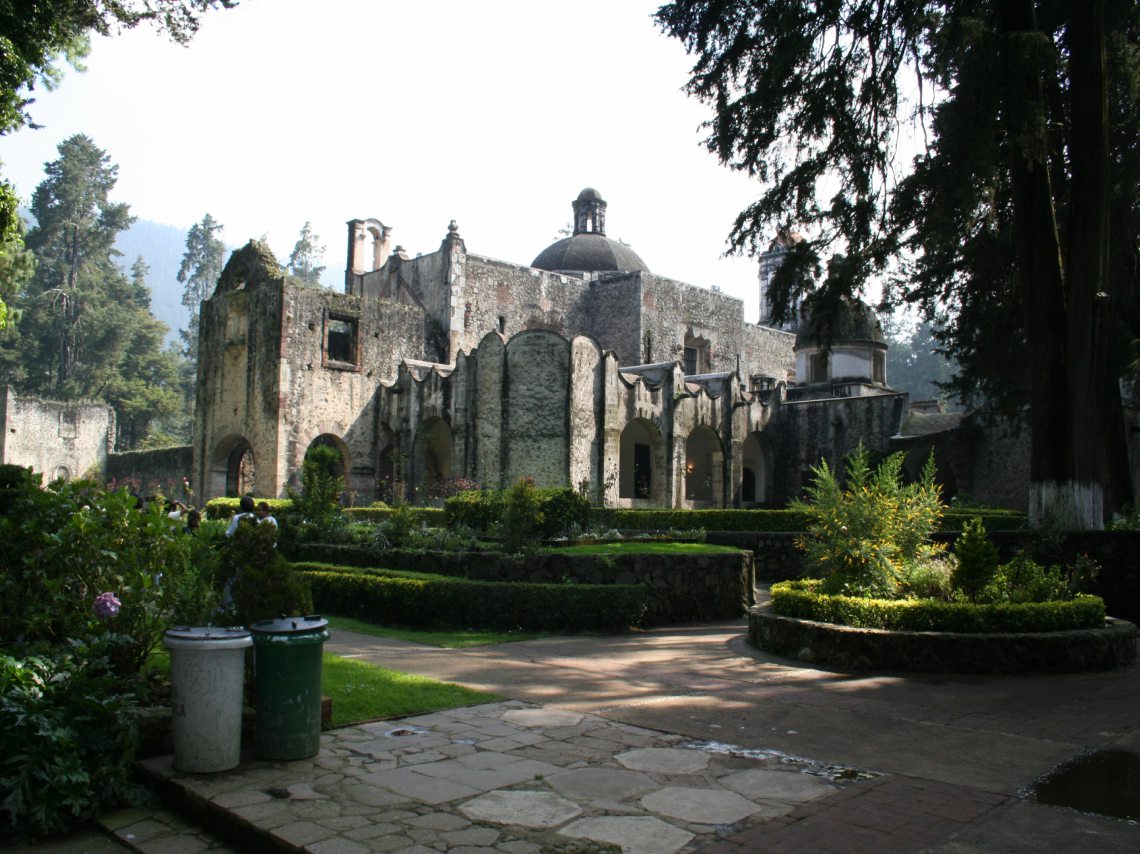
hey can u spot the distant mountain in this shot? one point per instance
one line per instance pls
(161, 247)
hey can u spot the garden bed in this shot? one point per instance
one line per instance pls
(1104, 648)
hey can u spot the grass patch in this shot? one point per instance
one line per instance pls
(636, 547)
(458, 639)
(361, 691)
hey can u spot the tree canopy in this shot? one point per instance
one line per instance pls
(86, 330)
(34, 37)
(201, 265)
(305, 260)
(1016, 223)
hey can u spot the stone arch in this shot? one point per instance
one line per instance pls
(641, 468)
(61, 473)
(231, 470)
(704, 467)
(432, 457)
(331, 440)
(755, 485)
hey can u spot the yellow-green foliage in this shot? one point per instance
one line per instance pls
(804, 600)
(863, 532)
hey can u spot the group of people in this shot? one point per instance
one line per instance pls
(258, 513)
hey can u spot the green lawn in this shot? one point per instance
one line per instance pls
(362, 692)
(457, 639)
(646, 547)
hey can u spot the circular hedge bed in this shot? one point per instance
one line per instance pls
(800, 599)
(940, 637)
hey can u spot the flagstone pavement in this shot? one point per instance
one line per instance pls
(675, 739)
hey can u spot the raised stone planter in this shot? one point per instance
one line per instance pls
(847, 648)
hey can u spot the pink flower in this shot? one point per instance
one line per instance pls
(106, 606)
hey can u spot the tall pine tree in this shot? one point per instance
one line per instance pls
(201, 265)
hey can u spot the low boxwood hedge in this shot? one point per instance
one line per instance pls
(224, 508)
(768, 521)
(430, 516)
(421, 600)
(799, 600)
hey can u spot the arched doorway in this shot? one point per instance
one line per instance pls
(330, 440)
(641, 464)
(231, 472)
(432, 458)
(757, 457)
(704, 467)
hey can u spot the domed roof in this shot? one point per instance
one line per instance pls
(589, 253)
(588, 250)
(854, 321)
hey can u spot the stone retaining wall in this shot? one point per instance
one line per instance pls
(943, 652)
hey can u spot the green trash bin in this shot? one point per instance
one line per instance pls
(287, 681)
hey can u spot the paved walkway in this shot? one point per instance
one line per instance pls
(678, 740)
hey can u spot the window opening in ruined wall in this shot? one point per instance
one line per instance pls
(341, 346)
(878, 368)
(819, 368)
(695, 357)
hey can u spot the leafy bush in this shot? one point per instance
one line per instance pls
(318, 503)
(67, 737)
(863, 532)
(927, 578)
(536, 514)
(431, 516)
(977, 560)
(803, 600)
(434, 601)
(67, 544)
(260, 583)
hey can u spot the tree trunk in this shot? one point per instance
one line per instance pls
(1061, 492)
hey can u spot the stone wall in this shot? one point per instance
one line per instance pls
(157, 472)
(767, 352)
(804, 432)
(671, 310)
(56, 439)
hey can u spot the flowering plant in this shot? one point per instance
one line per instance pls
(106, 606)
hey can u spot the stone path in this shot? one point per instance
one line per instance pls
(951, 757)
(500, 777)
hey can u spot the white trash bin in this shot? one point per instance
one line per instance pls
(207, 671)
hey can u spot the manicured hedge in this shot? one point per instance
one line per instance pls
(767, 521)
(479, 509)
(436, 601)
(430, 516)
(798, 599)
(224, 508)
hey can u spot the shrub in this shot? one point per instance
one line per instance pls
(260, 583)
(927, 578)
(803, 600)
(69, 543)
(542, 513)
(318, 503)
(67, 737)
(436, 601)
(977, 560)
(522, 520)
(862, 532)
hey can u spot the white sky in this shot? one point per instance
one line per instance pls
(493, 113)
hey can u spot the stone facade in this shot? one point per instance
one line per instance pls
(643, 390)
(59, 440)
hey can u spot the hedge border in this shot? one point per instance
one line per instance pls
(422, 600)
(851, 649)
(798, 600)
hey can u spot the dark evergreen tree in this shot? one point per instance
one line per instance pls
(201, 265)
(1020, 217)
(86, 331)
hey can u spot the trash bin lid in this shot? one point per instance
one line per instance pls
(289, 625)
(207, 633)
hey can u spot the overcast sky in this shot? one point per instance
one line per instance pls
(493, 113)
